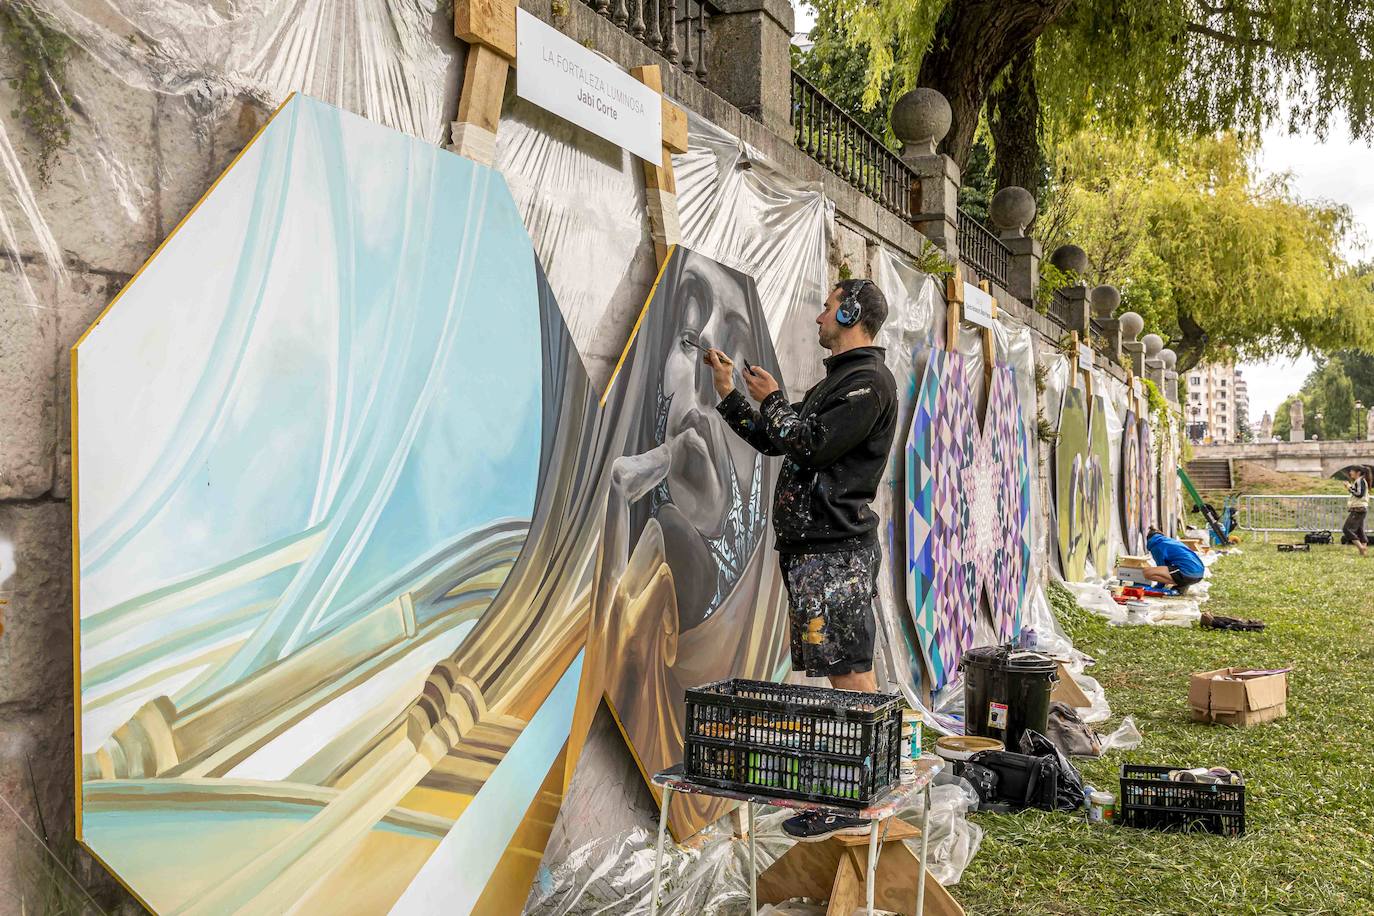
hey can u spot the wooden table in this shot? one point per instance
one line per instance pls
(805, 870)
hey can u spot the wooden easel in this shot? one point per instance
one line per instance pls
(954, 319)
(488, 27)
(835, 869)
(660, 186)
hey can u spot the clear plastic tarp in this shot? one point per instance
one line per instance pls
(613, 875)
(737, 207)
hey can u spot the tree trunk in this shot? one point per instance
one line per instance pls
(1190, 343)
(1014, 120)
(974, 41)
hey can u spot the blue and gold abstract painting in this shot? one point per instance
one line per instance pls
(330, 443)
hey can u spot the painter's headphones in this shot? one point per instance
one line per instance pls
(851, 310)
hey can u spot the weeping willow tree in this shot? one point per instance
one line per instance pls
(1031, 70)
(1222, 261)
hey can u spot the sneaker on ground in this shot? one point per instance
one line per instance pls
(814, 826)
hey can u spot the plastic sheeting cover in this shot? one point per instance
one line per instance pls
(582, 200)
(156, 98)
(613, 876)
(735, 206)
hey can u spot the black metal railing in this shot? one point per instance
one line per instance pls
(831, 136)
(677, 29)
(1059, 309)
(982, 251)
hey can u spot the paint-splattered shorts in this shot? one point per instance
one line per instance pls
(830, 596)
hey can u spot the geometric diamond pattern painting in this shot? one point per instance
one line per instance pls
(1004, 571)
(968, 511)
(1071, 465)
(941, 576)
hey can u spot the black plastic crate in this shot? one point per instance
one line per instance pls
(806, 743)
(1150, 800)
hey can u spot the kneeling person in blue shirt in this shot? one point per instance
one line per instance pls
(1179, 566)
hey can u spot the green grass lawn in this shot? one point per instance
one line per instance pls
(1309, 845)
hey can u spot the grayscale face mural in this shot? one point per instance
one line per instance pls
(688, 590)
(712, 503)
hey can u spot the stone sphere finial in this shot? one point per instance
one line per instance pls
(1169, 356)
(1070, 258)
(1131, 325)
(920, 119)
(1011, 211)
(1153, 344)
(1105, 300)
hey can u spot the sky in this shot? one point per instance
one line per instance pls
(1334, 169)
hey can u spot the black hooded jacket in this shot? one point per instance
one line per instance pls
(835, 443)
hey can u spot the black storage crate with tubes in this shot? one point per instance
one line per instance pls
(791, 741)
(1149, 799)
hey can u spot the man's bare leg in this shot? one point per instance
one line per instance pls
(1159, 574)
(864, 681)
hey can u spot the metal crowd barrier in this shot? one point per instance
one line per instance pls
(1290, 513)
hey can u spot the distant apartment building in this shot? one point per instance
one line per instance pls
(1218, 404)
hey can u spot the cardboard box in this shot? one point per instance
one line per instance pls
(1126, 561)
(1067, 691)
(1238, 696)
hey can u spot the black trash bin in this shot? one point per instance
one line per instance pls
(1006, 691)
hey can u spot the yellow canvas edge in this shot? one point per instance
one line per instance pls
(634, 332)
(655, 791)
(76, 490)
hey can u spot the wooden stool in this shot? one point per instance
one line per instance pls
(835, 869)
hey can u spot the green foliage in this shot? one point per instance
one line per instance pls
(38, 64)
(1197, 67)
(932, 261)
(841, 74)
(1338, 405)
(1052, 279)
(1221, 262)
(977, 181)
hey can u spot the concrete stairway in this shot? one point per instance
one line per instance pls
(1211, 473)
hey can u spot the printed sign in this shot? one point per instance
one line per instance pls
(997, 715)
(978, 306)
(575, 83)
(1085, 357)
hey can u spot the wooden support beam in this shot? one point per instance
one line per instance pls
(488, 26)
(674, 127)
(954, 311)
(989, 351)
(489, 23)
(660, 186)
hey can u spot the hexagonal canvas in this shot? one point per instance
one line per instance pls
(942, 578)
(1099, 494)
(1071, 466)
(1131, 480)
(329, 442)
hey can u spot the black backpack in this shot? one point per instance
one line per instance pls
(1020, 780)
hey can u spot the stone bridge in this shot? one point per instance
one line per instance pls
(1317, 458)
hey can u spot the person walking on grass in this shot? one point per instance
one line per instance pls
(1358, 506)
(834, 443)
